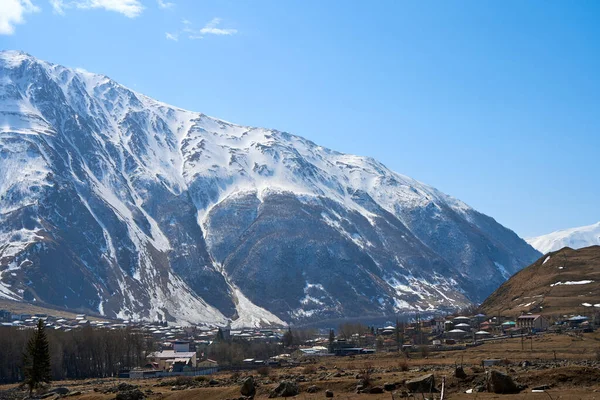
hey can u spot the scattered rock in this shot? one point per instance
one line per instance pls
(460, 373)
(542, 387)
(328, 393)
(422, 384)
(501, 383)
(285, 389)
(60, 390)
(135, 394)
(376, 390)
(248, 388)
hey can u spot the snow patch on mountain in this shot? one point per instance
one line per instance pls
(575, 238)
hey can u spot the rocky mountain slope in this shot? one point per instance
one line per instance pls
(562, 282)
(114, 202)
(575, 238)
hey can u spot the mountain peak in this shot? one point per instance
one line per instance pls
(117, 203)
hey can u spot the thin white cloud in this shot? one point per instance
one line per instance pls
(12, 13)
(129, 8)
(211, 28)
(165, 4)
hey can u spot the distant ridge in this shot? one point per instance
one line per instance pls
(575, 238)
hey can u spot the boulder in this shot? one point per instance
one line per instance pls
(123, 387)
(376, 390)
(542, 387)
(312, 389)
(248, 388)
(60, 390)
(460, 373)
(500, 383)
(389, 387)
(422, 384)
(135, 394)
(285, 389)
(328, 393)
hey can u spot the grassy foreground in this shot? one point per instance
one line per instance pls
(566, 363)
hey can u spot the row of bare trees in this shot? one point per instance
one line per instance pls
(80, 353)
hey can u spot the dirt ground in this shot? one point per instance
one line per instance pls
(566, 364)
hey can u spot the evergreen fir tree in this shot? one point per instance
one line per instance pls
(37, 359)
(331, 340)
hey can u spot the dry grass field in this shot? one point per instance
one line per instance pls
(567, 364)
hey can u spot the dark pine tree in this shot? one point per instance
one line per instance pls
(37, 359)
(288, 338)
(331, 340)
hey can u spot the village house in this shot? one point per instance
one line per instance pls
(437, 325)
(532, 322)
(174, 360)
(5, 316)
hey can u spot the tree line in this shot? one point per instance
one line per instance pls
(81, 353)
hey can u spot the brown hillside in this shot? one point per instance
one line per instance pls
(535, 289)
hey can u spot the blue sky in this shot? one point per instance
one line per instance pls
(496, 103)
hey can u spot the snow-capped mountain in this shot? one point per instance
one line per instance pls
(114, 202)
(575, 238)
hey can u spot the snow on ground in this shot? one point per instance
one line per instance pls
(251, 315)
(505, 274)
(584, 282)
(546, 260)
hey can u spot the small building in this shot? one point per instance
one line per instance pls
(437, 325)
(508, 325)
(456, 334)
(482, 334)
(532, 322)
(577, 320)
(461, 320)
(171, 360)
(463, 326)
(181, 346)
(5, 316)
(208, 363)
(479, 318)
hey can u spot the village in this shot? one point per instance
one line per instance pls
(187, 350)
